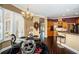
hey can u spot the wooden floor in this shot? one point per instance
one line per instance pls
(54, 49)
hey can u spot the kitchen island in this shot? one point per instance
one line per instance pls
(71, 42)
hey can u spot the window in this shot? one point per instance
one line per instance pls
(8, 18)
(1, 23)
(10, 23)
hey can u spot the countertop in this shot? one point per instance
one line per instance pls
(72, 41)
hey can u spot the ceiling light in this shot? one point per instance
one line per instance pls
(23, 13)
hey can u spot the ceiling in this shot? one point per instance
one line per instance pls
(52, 10)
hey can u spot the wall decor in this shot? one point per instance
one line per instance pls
(36, 25)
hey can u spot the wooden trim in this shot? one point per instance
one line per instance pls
(11, 7)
